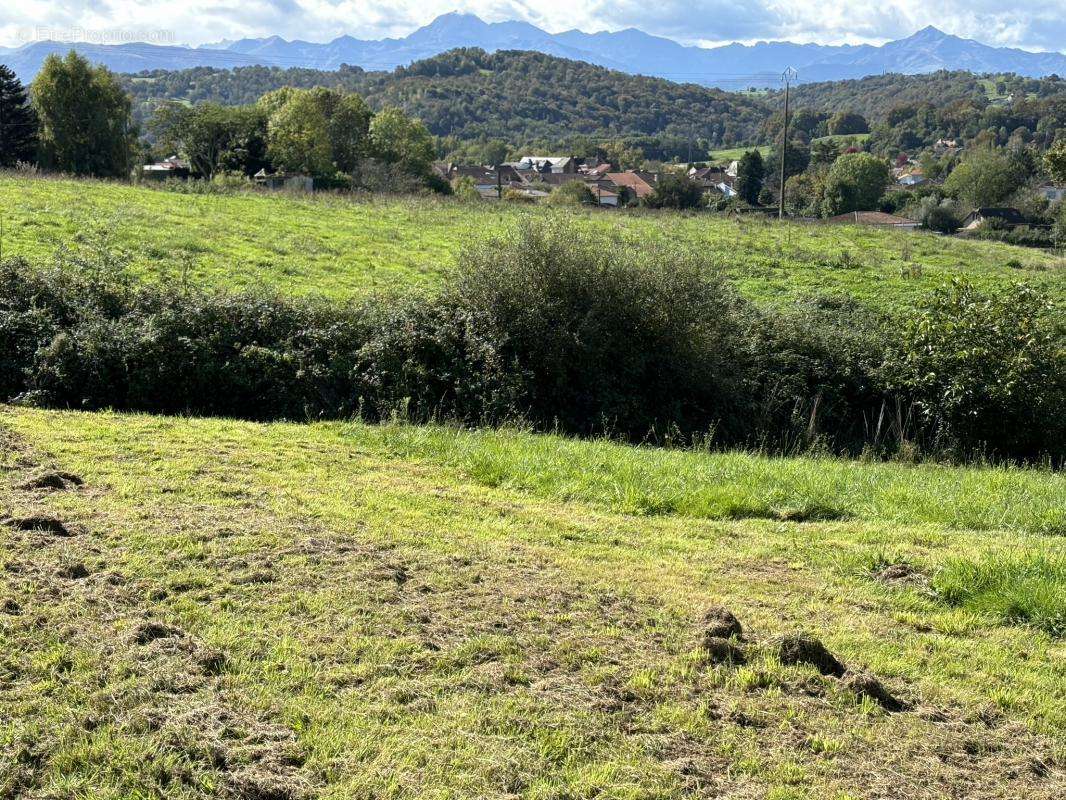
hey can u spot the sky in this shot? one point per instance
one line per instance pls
(1030, 24)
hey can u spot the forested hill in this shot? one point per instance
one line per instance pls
(874, 97)
(519, 97)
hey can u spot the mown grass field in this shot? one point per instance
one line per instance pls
(342, 247)
(350, 611)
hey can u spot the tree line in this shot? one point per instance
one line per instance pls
(78, 118)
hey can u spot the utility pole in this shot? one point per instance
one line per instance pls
(499, 182)
(788, 76)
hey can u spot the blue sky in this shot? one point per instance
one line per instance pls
(1034, 24)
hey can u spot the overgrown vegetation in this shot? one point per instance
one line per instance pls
(552, 327)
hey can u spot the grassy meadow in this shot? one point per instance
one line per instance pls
(342, 247)
(351, 611)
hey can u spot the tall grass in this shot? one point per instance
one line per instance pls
(1015, 587)
(713, 485)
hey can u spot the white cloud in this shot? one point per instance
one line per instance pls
(1035, 24)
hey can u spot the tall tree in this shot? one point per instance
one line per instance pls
(319, 131)
(86, 126)
(986, 176)
(213, 137)
(847, 122)
(18, 122)
(397, 139)
(751, 171)
(1055, 161)
(298, 136)
(855, 182)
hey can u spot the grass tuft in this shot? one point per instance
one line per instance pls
(1016, 587)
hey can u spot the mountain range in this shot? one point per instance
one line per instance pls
(734, 66)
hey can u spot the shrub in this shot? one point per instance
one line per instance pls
(465, 190)
(628, 339)
(572, 193)
(812, 380)
(635, 339)
(675, 191)
(986, 371)
(940, 216)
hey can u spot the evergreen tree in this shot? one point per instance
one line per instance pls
(18, 123)
(750, 174)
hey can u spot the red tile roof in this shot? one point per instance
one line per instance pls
(632, 181)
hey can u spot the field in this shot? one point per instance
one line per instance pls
(340, 610)
(207, 608)
(735, 154)
(844, 138)
(342, 248)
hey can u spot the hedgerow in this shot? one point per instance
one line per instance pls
(564, 331)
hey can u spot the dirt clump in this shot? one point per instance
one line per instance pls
(42, 524)
(901, 574)
(802, 648)
(148, 632)
(55, 481)
(720, 623)
(866, 685)
(723, 651)
(11, 607)
(75, 571)
(256, 576)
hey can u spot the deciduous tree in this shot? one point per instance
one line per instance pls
(86, 125)
(855, 182)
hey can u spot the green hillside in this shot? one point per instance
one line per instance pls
(519, 97)
(225, 609)
(344, 247)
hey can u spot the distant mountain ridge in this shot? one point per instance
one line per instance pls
(733, 66)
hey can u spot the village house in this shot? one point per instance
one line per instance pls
(545, 164)
(713, 179)
(596, 170)
(489, 181)
(913, 178)
(638, 184)
(166, 169)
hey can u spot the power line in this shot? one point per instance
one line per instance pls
(787, 76)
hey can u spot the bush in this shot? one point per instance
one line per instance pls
(985, 371)
(465, 190)
(572, 193)
(940, 216)
(675, 191)
(1059, 229)
(639, 340)
(630, 339)
(811, 374)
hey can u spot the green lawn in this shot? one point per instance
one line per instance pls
(736, 153)
(351, 611)
(342, 247)
(844, 138)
